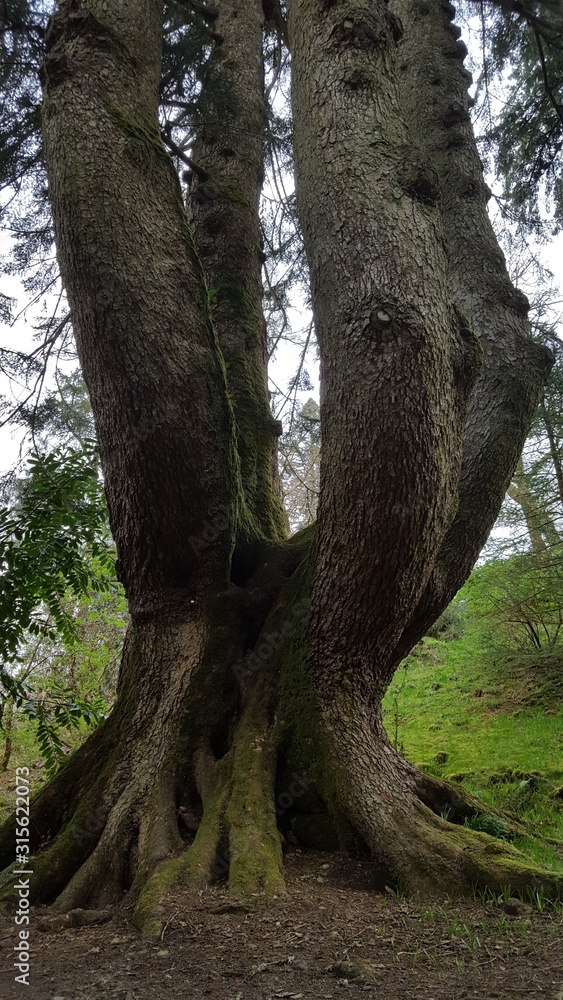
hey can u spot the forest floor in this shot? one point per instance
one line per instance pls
(335, 936)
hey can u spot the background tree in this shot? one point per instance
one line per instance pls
(230, 690)
(300, 455)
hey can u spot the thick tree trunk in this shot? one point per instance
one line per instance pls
(433, 85)
(223, 204)
(401, 517)
(138, 301)
(397, 366)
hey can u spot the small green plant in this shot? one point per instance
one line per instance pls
(472, 939)
(400, 888)
(464, 932)
(492, 825)
(541, 901)
(506, 893)
(428, 916)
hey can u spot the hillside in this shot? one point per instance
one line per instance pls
(494, 723)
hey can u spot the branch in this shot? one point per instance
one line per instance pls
(551, 32)
(176, 151)
(553, 100)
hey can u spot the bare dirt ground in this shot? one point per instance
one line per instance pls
(335, 936)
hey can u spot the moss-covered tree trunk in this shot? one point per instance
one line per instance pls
(254, 668)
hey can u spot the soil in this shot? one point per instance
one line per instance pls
(335, 936)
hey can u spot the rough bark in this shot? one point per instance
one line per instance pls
(223, 203)
(397, 373)
(396, 361)
(138, 299)
(433, 85)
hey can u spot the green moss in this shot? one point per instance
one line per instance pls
(470, 860)
(133, 128)
(255, 854)
(149, 913)
(498, 866)
(254, 843)
(192, 869)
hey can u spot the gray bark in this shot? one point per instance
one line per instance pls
(433, 87)
(396, 363)
(223, 203)
(400, 474)
(405, 272)
(137, 298)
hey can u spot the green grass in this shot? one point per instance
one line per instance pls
(495, 724)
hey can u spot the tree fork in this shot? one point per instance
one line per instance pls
(399, 361)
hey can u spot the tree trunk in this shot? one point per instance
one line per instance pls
(433, 83)
(7, 726)
(401, 517)
(250, 690)
(223, 208)
(541, 529)
(553, 450)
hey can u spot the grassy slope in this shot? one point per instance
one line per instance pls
(495, 724)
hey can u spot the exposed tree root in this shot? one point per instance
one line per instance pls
(397, 811)
(237, 835)
(238, 831)
(444, 857)
(454, 803)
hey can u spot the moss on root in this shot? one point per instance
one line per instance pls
(237, 835)
(255, 855)
(433, 857)
(239, 733)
